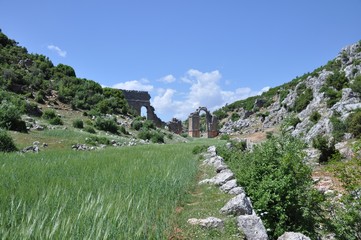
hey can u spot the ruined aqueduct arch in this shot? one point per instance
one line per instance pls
(194, 124)
(139, 99)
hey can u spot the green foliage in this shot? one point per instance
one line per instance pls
(6, 142)
(235, 117)
(107, 124)
(49, 114)
(346, 216)
(279, 184)
(315, 116)
(333, 95)
(53, 119)
(337, 80)
(353, 123)
(303, 99)
(338, 128)
(328, 150)
(199, 149)
(148, 134)
(356, 84)
(225, 137)
(95, 140)
(78, 123)
(89, 129)
(290, 121)
(10, 117)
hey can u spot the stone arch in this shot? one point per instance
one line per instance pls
(138, 99)
(194, 124)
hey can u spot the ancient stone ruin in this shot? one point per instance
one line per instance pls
(194, 124)
(175, 126)
(139, 99)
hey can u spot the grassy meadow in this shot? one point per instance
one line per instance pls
(116, 193)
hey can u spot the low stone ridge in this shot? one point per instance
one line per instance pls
(293, 236)
(252, 227)
(210, 223)
(240, 205)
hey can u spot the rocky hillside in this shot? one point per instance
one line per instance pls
(321, 103)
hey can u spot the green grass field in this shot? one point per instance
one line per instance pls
(116, 193)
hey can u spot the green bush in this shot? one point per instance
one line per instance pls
(353, 123)
(78, 123)
(136, 125)
(328, 150)
(95, 140)
(10, 117)
(303, 100)
(157, 137)
(89, 129)
(56, 121)
(235, 117)
(6, 142)
(279, 184)
(49, 114)
(315, 116)
(225, 137)
(199, 149)
(356, 84)
(337, 80)
(290, 121)
(338, 128)
(106, 124)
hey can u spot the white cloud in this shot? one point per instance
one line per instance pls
(56, 49)
(167, 79)
(135, 85)
(205, 90)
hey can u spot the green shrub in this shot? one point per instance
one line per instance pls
(279, 184)
(338, 128)
(353, 123)
(303, 100)
(315, 116)
(56, 121)
(225, 137)
(290, 121)
(157, 137)
(49, 114)
(144, 134)
(78, 123)
(123, 130)
(333, 95)
(199, 149)
(136, 125)
(328, 150)
(89, 129)
(235, 117)
(6, 142)
(10, 117)
(356, 84)
(95, 140)
(106, 124)
(337, 80)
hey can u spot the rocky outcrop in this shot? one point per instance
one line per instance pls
(265, 116)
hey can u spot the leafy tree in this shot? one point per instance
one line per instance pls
(353, 123)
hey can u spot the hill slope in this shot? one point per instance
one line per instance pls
(317, 103)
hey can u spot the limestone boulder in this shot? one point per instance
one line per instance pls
(209, 223)
(252, 227)
(239, 205)
(293, 236)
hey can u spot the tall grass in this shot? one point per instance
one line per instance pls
(127, 193)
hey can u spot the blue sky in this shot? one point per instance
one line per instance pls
(185, 53)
